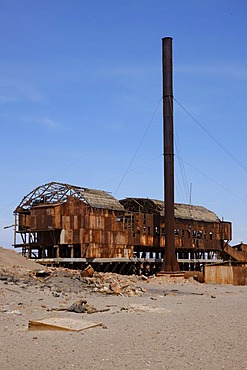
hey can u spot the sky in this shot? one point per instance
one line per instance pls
(81, 101)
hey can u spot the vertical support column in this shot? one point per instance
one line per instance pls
(15, 227)
(170, 261)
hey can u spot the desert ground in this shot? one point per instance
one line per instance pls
(144, 323)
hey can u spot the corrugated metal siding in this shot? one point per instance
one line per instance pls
(223, 274)
(97, 230)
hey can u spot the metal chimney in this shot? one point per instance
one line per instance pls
(170, 262)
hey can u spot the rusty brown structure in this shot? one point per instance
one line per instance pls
(64, 224)
(234, 273)
(197, 230)
(60, 220)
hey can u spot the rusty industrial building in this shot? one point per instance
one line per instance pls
(61, 224)
(70, 225)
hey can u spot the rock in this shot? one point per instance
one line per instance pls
(88, 271)
(78, 306)
(42, 273)
(196, 275)
(144, 277)
(55, 294)
(116, 288)
(3, 278)
(81, 306)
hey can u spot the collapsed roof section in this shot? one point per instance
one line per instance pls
(183, 211)
(57, 193)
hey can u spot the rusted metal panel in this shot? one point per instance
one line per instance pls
(57, 218)
(76, 236)
(106, 251)
(218, 274)
(68, 237)
(226, 230)
(66, 222)
(99, 234)
(24, 221)
(244, 247)
(75, 222)
(42, 218)
(226, 274)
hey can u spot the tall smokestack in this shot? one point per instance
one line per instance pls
(170, 262)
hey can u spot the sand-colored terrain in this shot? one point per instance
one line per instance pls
(158, 323)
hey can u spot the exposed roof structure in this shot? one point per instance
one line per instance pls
(198, 213)
(183, 211)
(56, 193)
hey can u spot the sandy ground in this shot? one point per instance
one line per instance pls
(163, 323)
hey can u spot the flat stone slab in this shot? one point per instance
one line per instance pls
(61, 323)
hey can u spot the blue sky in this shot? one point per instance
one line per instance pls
(81, 80)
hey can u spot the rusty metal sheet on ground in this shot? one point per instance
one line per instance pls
(61, 323)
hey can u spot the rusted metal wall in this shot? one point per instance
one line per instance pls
(45, 217)
(24, 221)
(105, 233)
(226, 274)
(226, 230)
(99, 232)
(148, 230)
(139, 229)
(199, 235)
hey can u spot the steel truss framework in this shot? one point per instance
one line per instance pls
(52, 192)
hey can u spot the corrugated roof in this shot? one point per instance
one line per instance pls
(183, 211)
(198, 213)
(100, 199)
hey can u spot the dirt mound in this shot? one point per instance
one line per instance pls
(14, 264)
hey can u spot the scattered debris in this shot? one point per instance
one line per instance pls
(88, 271)
(18, 270)
(144, 277)
(174, 292)
(81, 306)
(169, 293)
(13, 312)
(42, 273)
(144, 308)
